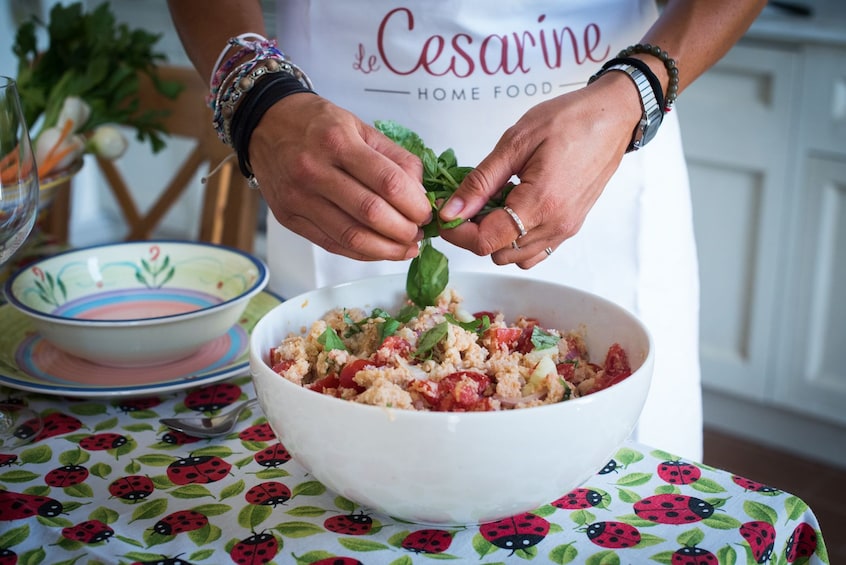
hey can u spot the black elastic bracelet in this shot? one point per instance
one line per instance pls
(669, 64)
(644, 68)
(267, 91)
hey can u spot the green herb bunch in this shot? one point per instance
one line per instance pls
(428, 273)
(91, 57)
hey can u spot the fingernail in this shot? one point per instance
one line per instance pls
(452, 209)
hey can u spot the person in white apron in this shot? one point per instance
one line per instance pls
(460, 74)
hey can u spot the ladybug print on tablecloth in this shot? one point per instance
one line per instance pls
(358, 524)
(132, 487)
(55, 424)
(180, 521)
(673, 509)
(66, 476)
(8, 557)
(213, 397)
(259, 432)
(268, 493)
(92, 531)
(610, 467)
(272, 456)
(679, 473)
(693, 556)
(802, 543)
(173, 437)
(7, 459)
(753, 486)
(102, 441)
(255, 550)
(760, 536)
(613, 535)
(164, 561)
(578, 499)
(198, 470)
(427, 541)
(18, 505)
(338, 561)
(518, 532)
(138, 404)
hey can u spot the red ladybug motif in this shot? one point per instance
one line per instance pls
(753, 486)
(259, 432)
(102, 442)
(578, 499)
(350, 524)
(610, 467)
(613, 535)
(272, 456)
(18, 505)
(679, 473)
(213, 397)
(338, 561)
(92, 531)
(8, 557)
(427, 541)
(518, 532)
(760, 536)
(268, 493)
(693, 556)
(255, 550)
(174, 437)
(802, 543)
(55, 424)
(164, 561)
(132, 487)
(66, 476)
(673, 509)
(7, 459)
(180, 521)
(198, 470)
(138, 404)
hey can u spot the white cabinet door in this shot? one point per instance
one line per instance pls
(737, 123)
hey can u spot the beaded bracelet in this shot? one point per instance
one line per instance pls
(255, 103)
(669, 63)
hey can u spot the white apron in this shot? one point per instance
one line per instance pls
(460, 73)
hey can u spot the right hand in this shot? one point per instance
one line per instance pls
(337, 181)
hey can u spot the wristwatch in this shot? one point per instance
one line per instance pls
(652, 113)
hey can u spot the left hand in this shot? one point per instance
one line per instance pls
(564, 151)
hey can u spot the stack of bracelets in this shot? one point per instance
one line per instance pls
(244, 86)
(654, 102)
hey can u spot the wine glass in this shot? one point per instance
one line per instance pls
(18, 209)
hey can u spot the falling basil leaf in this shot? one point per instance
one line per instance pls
(428, 275)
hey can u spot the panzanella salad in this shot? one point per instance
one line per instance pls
(442, 358)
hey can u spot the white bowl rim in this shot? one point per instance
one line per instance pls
(429, 414)
(257, 286)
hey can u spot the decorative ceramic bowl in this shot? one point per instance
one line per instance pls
(450, 467)
(139, 303)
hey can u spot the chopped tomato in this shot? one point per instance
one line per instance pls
(491, 315)
(524, 343)
(394, 345)
(567, 371)
(462, 391)
(330, 381)
(282, 366)
(617, 367)
(503, 338)
(350, 370)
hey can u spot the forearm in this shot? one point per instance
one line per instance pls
(697, 33)
(204, 27)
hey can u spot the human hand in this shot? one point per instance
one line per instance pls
(564, 151)
(337, 181)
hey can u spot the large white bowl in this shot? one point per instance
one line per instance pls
(455, 468)
(133, 304)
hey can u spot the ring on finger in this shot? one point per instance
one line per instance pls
(548, 251)
(517, 221)
(515, 246)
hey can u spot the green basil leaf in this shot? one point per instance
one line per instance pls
(477, 325)
(430, 339)
(427, 276)
(388, 328)
(542, 339)
(408, 313)
(330, 340)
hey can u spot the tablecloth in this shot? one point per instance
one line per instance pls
(105, 482)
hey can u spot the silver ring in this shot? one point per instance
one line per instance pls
(514, 245)
(517, 221)
(548, 250)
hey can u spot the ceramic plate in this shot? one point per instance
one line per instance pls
(28, 362)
